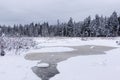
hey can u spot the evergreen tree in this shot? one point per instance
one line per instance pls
(70, 26)
(113, 24)
(45, 28)
(98, 27)
(119, 26)
(85, 30)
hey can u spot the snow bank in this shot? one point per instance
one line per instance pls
(51, 49)
(97, 67)
(43, 65)
(16, 68)
(100, 67)
(76, 42)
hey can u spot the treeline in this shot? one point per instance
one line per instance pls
(98, 27)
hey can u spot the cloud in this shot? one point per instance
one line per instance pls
(26, 11)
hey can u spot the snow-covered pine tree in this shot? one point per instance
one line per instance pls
(113, 23)
(45, 28)
(2, 45)
(85, 30)
(70, 26)
(119, 26)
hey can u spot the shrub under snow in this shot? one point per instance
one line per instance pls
(118, 42)
(17, 43)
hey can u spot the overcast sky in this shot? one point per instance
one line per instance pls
(26, 11)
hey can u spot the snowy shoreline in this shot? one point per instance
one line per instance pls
(15, 67)
(100, 67)
(54, 58)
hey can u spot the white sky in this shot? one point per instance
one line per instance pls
(26, 11)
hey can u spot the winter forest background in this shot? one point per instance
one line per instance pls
(98, 27)
(17, 38)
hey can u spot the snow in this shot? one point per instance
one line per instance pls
(92, 47)
(51, 49)
(43, 42)
(97, 67)
(94, 67)
(16, 68)
(43, 65)
(118, 42)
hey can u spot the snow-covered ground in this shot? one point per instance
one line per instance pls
(97, 67)
(51, 49)
(94, 67)
(43, 65)
(16, 68)
(76, 42)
